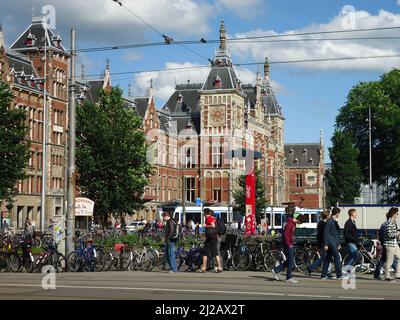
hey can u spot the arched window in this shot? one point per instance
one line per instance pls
(217, 187)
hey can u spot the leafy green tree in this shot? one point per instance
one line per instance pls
(344, 178)
(111, 155)
(383, 97)
(14, 147)
(239, 196)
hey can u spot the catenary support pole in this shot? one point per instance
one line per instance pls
(44, 138)
(70, 223)
(370, 154)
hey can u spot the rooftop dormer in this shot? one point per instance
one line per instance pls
(30, 40)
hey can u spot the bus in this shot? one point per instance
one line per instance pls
(277, 217)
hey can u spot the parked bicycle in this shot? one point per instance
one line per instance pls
(366, 260)
(51, 256)
(86, 257)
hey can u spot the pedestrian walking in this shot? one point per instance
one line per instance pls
(28, 227)
(220, 229)
(171, 236)
(332, 245)
(382, 260)
(391, 244)
(351, 238)
(288, 243)
(51, 225)
(5, 226)
(211, 243)
(320, 240)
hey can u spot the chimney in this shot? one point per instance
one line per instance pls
(222, 36)
(266, 69)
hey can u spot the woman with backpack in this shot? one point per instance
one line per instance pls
(211, 243)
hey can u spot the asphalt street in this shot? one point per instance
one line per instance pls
(197, 286)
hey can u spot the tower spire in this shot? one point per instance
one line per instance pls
(321, 138)
(258, 78)
(107, 79)
(266, 69)
(222, 36)
(1, 36)
(82, 71)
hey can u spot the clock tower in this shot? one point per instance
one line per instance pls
(222, 125)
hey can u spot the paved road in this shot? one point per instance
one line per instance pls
(208, 286)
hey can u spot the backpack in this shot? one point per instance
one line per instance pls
(177, 231)
(220, 227)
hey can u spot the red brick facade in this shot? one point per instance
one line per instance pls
(23, 68)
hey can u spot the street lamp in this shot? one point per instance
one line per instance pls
(370, 153)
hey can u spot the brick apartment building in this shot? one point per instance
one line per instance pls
(22, 67)
(305, 170)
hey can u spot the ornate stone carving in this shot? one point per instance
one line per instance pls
(216, 116)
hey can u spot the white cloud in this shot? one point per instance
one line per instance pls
(280, 51)
(164, 82)
(105, 21)
(244, 9)
(132, 56)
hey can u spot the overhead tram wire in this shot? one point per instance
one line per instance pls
(247, 39)
(167, 39)
(155, 44)
(255, 63)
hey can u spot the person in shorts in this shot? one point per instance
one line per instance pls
(211, 244)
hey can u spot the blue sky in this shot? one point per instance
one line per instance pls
(310, 94)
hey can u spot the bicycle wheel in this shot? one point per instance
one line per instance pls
(74, 261)
(226, 261)
(314, 257)
(180, 260)
(149, 260)
(210, 263)
(13, 262)
(108, 261)
(273, 259)
(125, 259)
(360, 266)
(242, 259)
(100, 259)
(196, 258)
(57, 260)
(3, 263)
(28, 263)
(161, 263)
(36, 242)
(301, 260)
